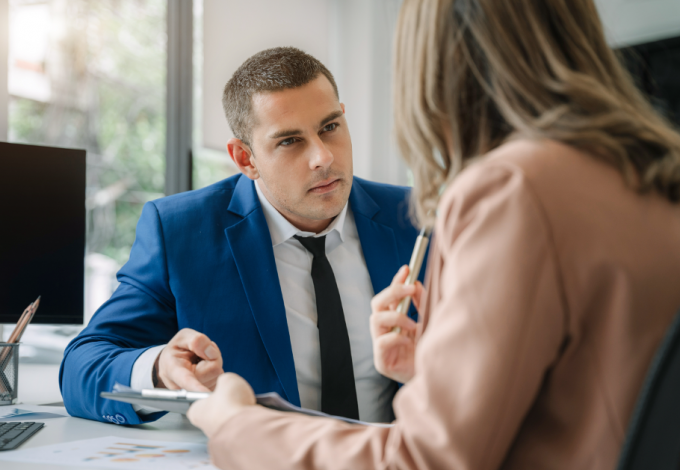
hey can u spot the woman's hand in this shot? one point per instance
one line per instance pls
(393, 353)
(231, 394)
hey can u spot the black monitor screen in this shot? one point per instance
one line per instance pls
(42, 232)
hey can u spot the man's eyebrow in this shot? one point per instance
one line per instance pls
(294, 132)
(285, 133)
(330, 117)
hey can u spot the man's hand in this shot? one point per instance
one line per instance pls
(394, 353)
(190, 361)
(231, 395)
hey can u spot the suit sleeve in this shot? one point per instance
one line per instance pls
(139, 315)
(494, 326)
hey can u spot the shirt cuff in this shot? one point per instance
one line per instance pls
(141, 377)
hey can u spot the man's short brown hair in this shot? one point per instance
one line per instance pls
(276, 69)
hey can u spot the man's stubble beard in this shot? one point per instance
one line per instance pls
(302, 208)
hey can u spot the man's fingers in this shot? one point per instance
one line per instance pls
(201, 345)
(185, 379)
(208, 371)
(197, 343)
(169, 383)
(182, 337)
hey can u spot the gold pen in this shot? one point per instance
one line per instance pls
(414, 266)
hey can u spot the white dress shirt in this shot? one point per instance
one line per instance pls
(294, 267)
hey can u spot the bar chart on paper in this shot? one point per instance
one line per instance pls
(118, 453)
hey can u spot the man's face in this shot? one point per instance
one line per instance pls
(303, 153)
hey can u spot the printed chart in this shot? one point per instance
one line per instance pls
(118, 453)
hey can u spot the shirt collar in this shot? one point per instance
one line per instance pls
(281, 230)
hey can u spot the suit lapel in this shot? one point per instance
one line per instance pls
(251, 247)
(377, 240)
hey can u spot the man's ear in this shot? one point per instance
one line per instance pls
(342, 105)
(242, 156)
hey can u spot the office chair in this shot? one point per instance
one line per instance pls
(653, 440)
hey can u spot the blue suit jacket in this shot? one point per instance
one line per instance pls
(204, 260)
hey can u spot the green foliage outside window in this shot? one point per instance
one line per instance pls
(106, 66)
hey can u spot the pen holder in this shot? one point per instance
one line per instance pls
(9, 373)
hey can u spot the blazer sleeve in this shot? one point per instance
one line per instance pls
(495, 325)
(140, 314)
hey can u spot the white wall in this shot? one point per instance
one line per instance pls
(361, 61)
(353, 38)
(4, 54)
(235, 30)
(629, 22)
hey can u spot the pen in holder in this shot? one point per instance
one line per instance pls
(9, 357)
(9, 373)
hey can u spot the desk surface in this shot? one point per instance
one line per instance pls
(38, 384)
(172, 427)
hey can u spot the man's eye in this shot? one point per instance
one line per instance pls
(330, 127)
(287, 142)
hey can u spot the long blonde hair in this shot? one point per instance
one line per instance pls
(540, 68)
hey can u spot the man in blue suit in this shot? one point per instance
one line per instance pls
(231, 277)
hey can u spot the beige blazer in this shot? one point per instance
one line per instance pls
(550, 285)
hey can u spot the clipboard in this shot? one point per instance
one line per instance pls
(179, 401)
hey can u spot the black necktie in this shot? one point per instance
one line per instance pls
(338, 393)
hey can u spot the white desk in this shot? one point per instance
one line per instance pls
(172, 427)
(37, 386)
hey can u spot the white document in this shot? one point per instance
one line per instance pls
(22, 414)
(117, 453)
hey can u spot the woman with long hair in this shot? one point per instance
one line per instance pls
(554, 271)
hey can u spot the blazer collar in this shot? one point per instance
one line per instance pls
(361, 202)
(378, 241)
(251, 247)
(244, 200)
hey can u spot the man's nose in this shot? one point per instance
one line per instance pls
(321, 156)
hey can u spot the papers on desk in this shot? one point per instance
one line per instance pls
(274, 401)
(17, 414)
(179, 401)
(117, 453)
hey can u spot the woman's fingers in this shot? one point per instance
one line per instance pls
(418, 296)
(401, 275)
(391, 341)
(390, 297)
(386, 321)
(394, 356)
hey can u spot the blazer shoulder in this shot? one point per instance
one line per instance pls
(383, 192)
(393, 203)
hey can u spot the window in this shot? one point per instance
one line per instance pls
(92, 74)
(209, 166)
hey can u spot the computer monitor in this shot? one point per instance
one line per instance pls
(42, 233)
